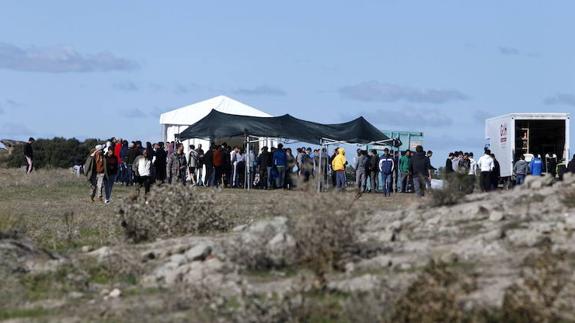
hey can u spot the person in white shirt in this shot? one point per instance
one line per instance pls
(485, 165)
(143, 166)
(471, 174)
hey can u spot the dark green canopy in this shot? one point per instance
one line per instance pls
(221, 125)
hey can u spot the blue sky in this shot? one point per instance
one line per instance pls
(68, 68)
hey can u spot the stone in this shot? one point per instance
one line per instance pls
(87, 249)
(496, 216)
(363, 283)
(199, 252)
(115, 293)
(570, 221)
(102, 253)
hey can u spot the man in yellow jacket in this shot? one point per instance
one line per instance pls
(338, 166)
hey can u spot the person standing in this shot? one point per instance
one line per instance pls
(160, 162)
(100, 171)
(373, 170)
(571, 165)
(178, 166)
(361, 166)
(449, 165)
(485, 165)
(29, 155)
(536, 166)
(200, 167)
(218, 161)
(420, 170)
(471, 174)
(520, 170)
(280, 162)
(403, 171)
(111, 166)
(90, 172)
(193, 162)
(133, 153)
(265, 168)
(209, 163)
(386, 167)
(496, 173)
(143, 171)
(291, 164)
(338, 165)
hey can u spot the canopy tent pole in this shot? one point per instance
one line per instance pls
(319, 171)
(247, 171)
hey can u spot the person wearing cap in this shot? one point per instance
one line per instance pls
(29, 154)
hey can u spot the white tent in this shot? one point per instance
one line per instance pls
(175, 121)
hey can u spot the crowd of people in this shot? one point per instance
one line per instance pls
(135, 164)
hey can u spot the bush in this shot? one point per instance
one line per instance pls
(325, 232)
(56, 153)
(174, 210)
(454, 189)
(536, 297)
(434, 296)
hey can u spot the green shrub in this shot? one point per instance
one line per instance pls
(57, 152)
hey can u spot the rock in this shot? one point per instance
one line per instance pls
(496, 216)
(87, 249)
(75, 295)
(523, 238)
(199, 252)
(570, 221)
(115, 293)
(102, 253)
(363, 283)
(281, 249)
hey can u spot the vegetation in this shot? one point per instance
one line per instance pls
(57, 152)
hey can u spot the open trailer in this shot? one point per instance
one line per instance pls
(512, 135)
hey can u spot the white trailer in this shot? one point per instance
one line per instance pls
(512, 135)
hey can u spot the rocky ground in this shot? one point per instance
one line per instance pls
(504, 256)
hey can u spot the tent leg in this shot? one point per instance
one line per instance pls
(319, 171)
(248, 176)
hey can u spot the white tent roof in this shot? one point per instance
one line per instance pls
(193, 113)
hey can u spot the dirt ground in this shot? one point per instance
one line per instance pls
(32, 204)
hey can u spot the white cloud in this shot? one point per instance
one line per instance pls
(560, 99)
(374, 91)
(261, 90)
(60, 59)
(409, 118)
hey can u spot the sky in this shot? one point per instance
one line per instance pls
(109, 68)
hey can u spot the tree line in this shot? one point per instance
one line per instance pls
(57, 152)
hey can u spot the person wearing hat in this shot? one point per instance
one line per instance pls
(29, 154)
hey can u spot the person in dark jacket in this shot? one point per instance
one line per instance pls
(571, 165)
(419, 170)
(373, 170)
(160, 161)
(133, 152)
(29, 155)
(111, 166)
(265, 168)
(449, 165)
(209, 163)
(495, 174)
